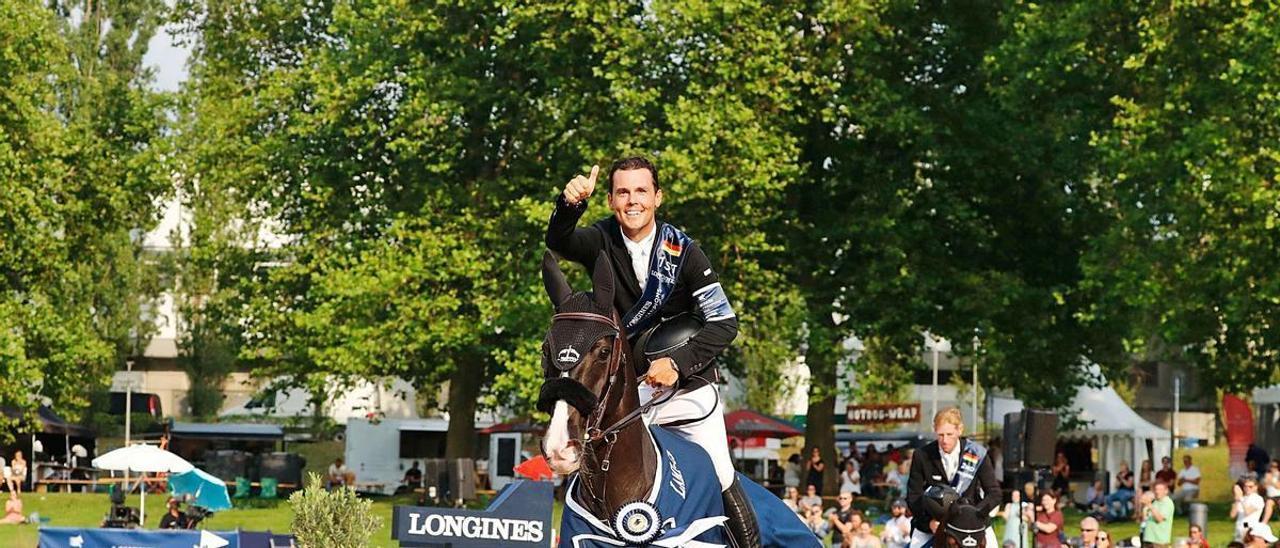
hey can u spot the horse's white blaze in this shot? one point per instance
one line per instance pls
(560, 455)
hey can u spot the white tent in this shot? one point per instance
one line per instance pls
(1119, 433)
(1266, 410)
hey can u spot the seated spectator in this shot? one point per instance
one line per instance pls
(1195, 537)
(897, 531)
(1104, 539)
(850, 478)
(811, 498)
(412, 476)
(174, 518)
(13, 510)
(1061, 471)
(18, 471)
(1095, 503)
(845, 520)
(1188, 484)
(896, 480)
(815, 522)
(1121, 499)
(338, 474)
(791, 498)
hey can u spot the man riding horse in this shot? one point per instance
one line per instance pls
(951, 471)
(661, 274)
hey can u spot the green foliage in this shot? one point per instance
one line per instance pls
(82, 165)
(331, 519)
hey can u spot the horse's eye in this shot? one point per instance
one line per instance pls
(604, 352)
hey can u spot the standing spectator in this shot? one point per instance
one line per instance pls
(816, 469)
(850, 479)
(792, 500)
(815, 522)
(1195, 537)
(791, 475)
(1061, 476)
(1166, 473)
(1248, 505)
(897, 531)
(1271, 487)
(1145, 476)
(865, 538)
(1089, 530)
(1122, 495)
(1157, 515)
(1188, 483)
(1013, 524)
(1048, 522)
(844, 520)
(18, 471)
(1260, 459)
(811, 498)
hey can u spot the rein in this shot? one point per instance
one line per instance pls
(594, 435)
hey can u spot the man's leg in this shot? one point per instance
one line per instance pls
(698, 416)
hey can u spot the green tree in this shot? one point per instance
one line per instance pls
(1188, 170)
(81, 170)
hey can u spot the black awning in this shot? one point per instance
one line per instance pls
(226, 431)
(51, 423)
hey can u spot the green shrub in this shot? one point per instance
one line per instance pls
(331, 519)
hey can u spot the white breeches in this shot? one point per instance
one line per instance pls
(708, 433)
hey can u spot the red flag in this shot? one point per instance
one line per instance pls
(1239, 422)
(535, 468)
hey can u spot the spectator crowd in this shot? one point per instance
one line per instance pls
(1158, 500)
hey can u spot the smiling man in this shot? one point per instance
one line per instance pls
(662, 274)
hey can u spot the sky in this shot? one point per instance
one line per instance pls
(168, 59)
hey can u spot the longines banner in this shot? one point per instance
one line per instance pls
(888, 413)
(519, 516)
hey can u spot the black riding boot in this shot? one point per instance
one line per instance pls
(744, 532)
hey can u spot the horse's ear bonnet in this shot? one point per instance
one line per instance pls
(569, 339)
(966, 525)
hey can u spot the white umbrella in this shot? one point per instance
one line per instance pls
(142, 458)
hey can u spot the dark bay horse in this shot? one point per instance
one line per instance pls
(587, 367)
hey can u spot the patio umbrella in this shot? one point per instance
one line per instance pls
(142, 458)
(205, 489)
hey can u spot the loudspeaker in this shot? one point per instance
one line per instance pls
(1040, 438)
(1013, 437)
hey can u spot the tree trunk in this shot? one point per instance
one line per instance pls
(464, 390)
(819, 430)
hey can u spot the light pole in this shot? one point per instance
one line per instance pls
(936, 345)
(1173, 421)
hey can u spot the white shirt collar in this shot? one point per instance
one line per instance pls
(950, 460)
(639, 252)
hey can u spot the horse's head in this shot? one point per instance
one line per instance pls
(582, 360)
(963, 527)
